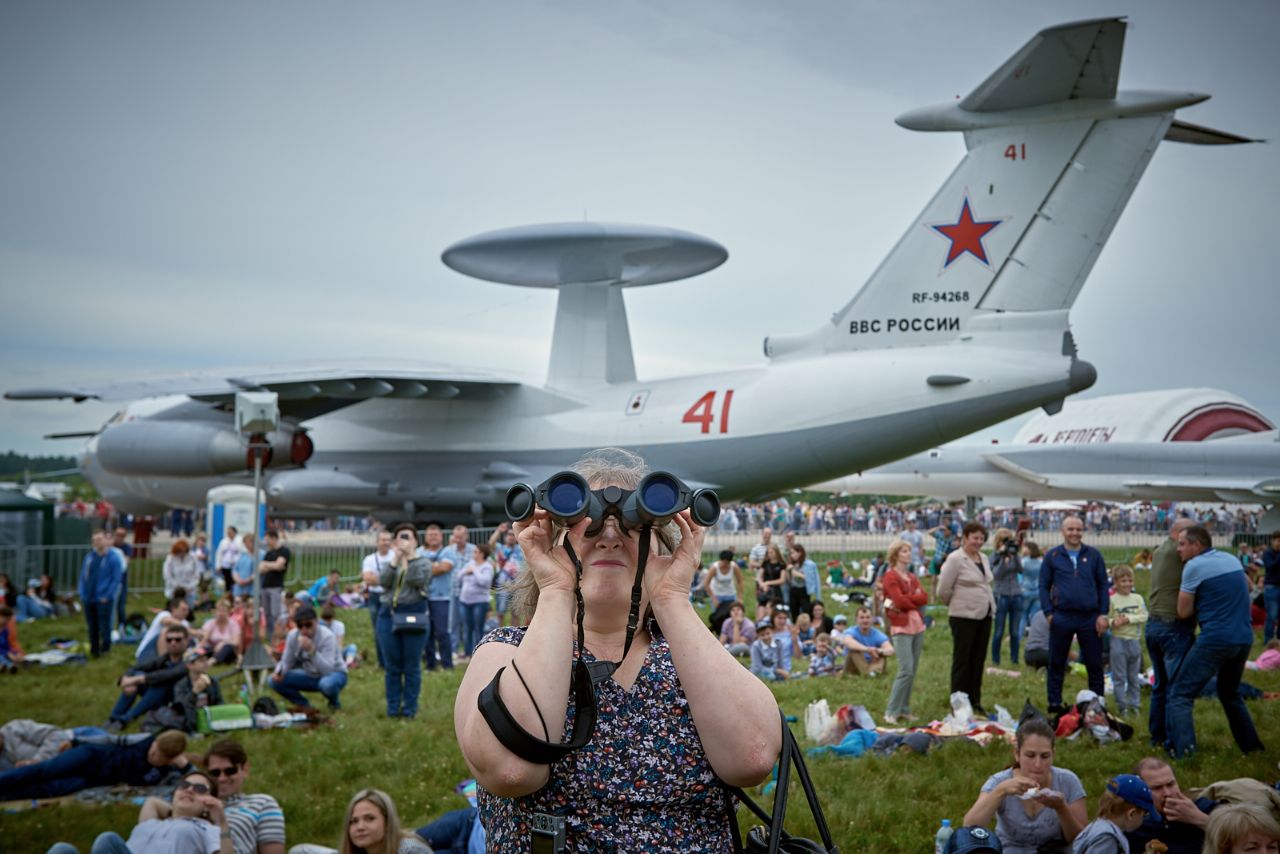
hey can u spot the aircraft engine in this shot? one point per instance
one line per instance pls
(190, 449)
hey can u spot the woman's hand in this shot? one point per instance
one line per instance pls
(1051, 799)
(1016, 786)
(668, 578)
(550, 564)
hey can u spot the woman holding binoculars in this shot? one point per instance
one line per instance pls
(647, 778)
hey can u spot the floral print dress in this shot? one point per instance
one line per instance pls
(643, 782)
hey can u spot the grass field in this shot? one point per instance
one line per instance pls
(889, 804)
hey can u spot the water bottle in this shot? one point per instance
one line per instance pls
(943, 836)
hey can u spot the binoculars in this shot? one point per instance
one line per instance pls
(567, 497)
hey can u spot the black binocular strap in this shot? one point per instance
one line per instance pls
(585, 677)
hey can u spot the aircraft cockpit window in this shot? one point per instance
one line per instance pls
(935, 454)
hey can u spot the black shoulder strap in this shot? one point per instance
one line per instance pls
(529, 747)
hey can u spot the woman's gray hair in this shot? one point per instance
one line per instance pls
(602, 467)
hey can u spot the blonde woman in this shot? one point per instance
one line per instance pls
(372, 826)
(1241, 829)
(903, 599)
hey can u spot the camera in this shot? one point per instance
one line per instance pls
(1010, 548)
(546, 834)
(568, 498)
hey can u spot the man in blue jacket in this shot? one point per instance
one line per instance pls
(100, 577)
(1074, 598)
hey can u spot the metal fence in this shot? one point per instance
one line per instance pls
(315, 554)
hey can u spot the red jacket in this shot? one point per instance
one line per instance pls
(906, 594)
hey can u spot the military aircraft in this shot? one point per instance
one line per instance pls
(1169, 445)
(963, 325)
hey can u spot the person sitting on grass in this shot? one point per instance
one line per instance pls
(146, 762)
(256, 821)
(150, 685)
(737, 633)
(1121, 809)
(325, 590)
(766, 655)
(1242, 829)
(193, 822)
(867, 647)
(784, 635)
(176, 613)
(802, 636)
(220, 635)
(196, 690)
(1181, 825)
(372, 826)
(1037, 806)
(11, 653)
(329, 619)
(311, 662)
(822, 662)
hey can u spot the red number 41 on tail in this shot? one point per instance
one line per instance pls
(702, 411)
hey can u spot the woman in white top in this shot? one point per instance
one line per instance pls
(724, 581)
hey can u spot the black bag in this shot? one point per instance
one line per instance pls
(774, 839)
(266, 706)
(408, 623)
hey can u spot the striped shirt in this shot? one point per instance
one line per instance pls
(253, 820)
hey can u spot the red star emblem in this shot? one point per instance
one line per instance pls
(966, 235)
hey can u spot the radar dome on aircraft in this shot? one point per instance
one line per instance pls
(562, 253)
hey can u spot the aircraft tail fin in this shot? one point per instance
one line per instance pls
(1054, 152)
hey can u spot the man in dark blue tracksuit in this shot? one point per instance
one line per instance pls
(1074, 598)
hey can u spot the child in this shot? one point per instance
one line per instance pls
(766, 655)
(822, 662)
(1239, 828)
(1128, 613)
(804, 634)
(1120, 811)
(1269, 659)
(839, 625)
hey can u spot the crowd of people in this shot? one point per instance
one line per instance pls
(781, 515)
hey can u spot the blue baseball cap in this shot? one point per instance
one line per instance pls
(972, 839)
(1132, 789)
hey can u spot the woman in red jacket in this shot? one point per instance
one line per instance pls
(903, 599)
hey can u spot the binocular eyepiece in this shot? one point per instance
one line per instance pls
(567, 497)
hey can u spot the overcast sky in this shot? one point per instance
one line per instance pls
(191, 185)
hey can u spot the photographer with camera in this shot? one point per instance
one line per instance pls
(1005, 566)
(651, 776)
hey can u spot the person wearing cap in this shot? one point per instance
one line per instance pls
(31, 606)
(1121, 809)
(766, 654)
(973, 840)
(312, 661)
(197, 689)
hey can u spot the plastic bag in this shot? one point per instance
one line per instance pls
(817, 718)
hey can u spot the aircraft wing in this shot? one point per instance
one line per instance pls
(346, 383)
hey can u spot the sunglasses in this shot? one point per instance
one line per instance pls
(176, 639)
(224, 772)
(306, 624)
(198, 788)
(405, 535)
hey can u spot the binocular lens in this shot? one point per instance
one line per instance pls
(660, 495)
(705, 507)
(520, 502)
(566, 496)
